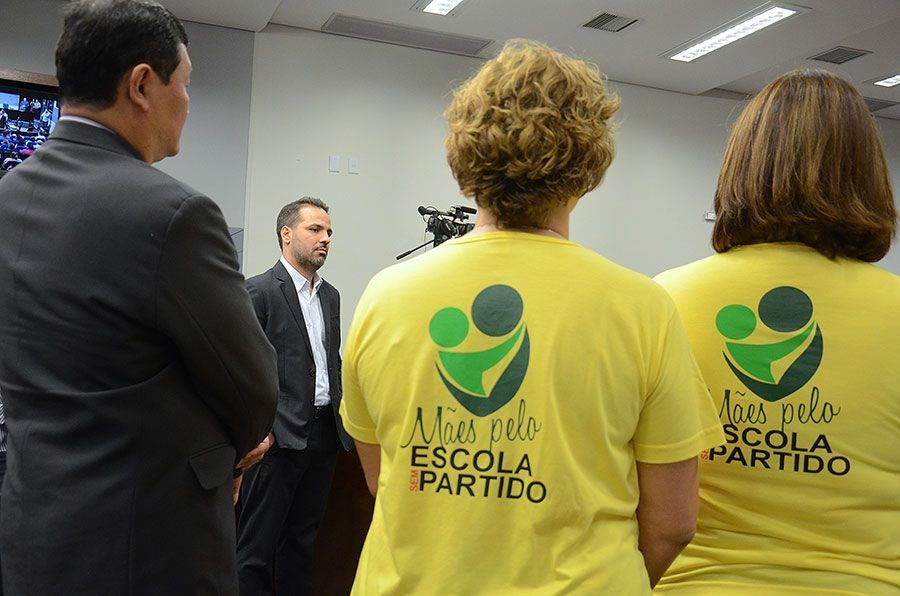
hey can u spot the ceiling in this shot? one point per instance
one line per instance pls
(636, 54)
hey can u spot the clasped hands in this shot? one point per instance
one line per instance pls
(251, 459)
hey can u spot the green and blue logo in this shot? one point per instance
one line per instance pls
(784, 310)
(497, 314)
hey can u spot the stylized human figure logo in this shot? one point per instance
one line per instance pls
(783, 310)
(497, 313)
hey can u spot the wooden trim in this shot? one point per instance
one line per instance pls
(23, 76)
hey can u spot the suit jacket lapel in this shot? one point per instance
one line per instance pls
(327, 312)
(290, 295)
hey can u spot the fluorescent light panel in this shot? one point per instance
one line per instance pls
(441, 7)
(888, 82)
(734, 33)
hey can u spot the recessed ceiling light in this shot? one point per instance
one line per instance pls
(441, 7)
(888, 82)
(748, 24)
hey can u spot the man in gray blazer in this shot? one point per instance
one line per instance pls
(283, 498)
(133, 370)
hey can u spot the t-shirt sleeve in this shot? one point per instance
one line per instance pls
(678, 419)
(354, 411)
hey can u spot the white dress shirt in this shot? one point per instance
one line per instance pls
(315, 328)
(83, 120)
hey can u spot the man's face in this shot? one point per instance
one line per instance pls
(173, 107)
(309, 239)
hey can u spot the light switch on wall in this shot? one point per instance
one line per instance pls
(352, 165)
(334, 163)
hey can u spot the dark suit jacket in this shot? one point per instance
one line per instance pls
(278, 310)
(133, 372)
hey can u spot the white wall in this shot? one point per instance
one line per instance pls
(315, 95)
(216, 137)
(213, 156)
(890, 134)
(648, 213)
(28, 33)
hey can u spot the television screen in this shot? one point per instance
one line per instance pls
(28, 113)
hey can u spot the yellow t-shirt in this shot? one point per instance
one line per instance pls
(511, 381)
(801, 354)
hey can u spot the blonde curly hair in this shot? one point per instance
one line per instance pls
(530, 131)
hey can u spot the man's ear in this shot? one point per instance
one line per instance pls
(285, 235)
(137, 82)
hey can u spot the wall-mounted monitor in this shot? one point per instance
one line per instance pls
(29, 109)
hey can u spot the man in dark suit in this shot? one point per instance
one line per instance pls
(133, 370)
(283, 498)
(2, 461)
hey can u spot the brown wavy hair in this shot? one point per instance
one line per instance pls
(530, 131)
(805, 164)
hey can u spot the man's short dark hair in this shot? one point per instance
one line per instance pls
(290, 213)
(103, 39)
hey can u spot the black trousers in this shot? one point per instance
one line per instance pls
(283, 500)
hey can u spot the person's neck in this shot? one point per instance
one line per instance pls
(308, 273)
(555, 226)
(120, 123)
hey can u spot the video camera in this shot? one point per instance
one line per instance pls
(447, 224)
(444, 225)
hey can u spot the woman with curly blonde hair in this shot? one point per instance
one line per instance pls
(528, 414)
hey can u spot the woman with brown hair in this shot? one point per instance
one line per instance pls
(797, 334)
(527, 413)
